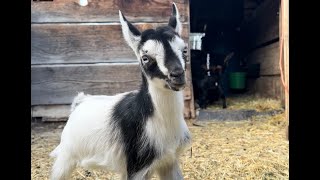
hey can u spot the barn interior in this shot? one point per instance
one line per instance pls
(239, 41)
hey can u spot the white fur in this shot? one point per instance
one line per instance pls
(77, 100)
(178, 45)
(156, 50)
(167, 127)
(85, 140)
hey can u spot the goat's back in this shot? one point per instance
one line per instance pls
(87, 136)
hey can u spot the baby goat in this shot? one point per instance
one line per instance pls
(136, 133)
(210, 89)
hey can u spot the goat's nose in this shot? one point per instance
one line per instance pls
(176, 73)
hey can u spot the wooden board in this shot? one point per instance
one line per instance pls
(263, 27)
(188, 95)
(105, 11)
(58, 84)
(286, 55)
(266, 86)
(51, 112)
(268, 57)
(284, 34)
(83, 43)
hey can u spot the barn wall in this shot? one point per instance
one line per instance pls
(75, 48)
(260, 35)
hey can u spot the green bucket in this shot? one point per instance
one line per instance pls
(237, 80)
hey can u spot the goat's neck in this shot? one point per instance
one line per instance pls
(164, 127)
(168, 104)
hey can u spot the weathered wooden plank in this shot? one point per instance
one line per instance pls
(51, 112)
(286, 54)
(268, 57)
(58, 84)
(263, 26)
(189, 108)
(188, 95)
(284, 37)
(83, 43)
(266, 86)
(105, 11)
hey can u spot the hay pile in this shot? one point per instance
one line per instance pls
(252, 149)
(249, 102)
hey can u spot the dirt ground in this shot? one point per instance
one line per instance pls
(256, 148)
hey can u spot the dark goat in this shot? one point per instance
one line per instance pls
(210, 89)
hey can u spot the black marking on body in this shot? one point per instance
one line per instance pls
(130, 115)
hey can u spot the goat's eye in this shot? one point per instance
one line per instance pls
(185, 50)
(145, 59)
(185, 53)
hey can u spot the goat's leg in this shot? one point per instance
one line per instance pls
(203, 102)
(170, 172)
(223, 97)
(62, 167)
(224, 104)
(140, 175)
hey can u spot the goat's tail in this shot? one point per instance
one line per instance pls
(55, 152)
(77, 100)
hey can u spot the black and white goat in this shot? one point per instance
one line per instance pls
(136, 133)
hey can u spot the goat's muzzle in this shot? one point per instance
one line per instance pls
(176, 80)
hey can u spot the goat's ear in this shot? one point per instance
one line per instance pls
(219, 69)
(174, 20)
(130, 33)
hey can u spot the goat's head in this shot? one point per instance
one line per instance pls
(159, 51)
(213, 80)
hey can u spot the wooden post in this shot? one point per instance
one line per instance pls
(189, 109)
(284, 24)
(286, 53)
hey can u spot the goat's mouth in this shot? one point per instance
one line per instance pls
(175, 85)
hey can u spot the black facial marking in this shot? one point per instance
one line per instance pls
(171, 59)
(130, 115)
(153, 70)
(162, 34)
